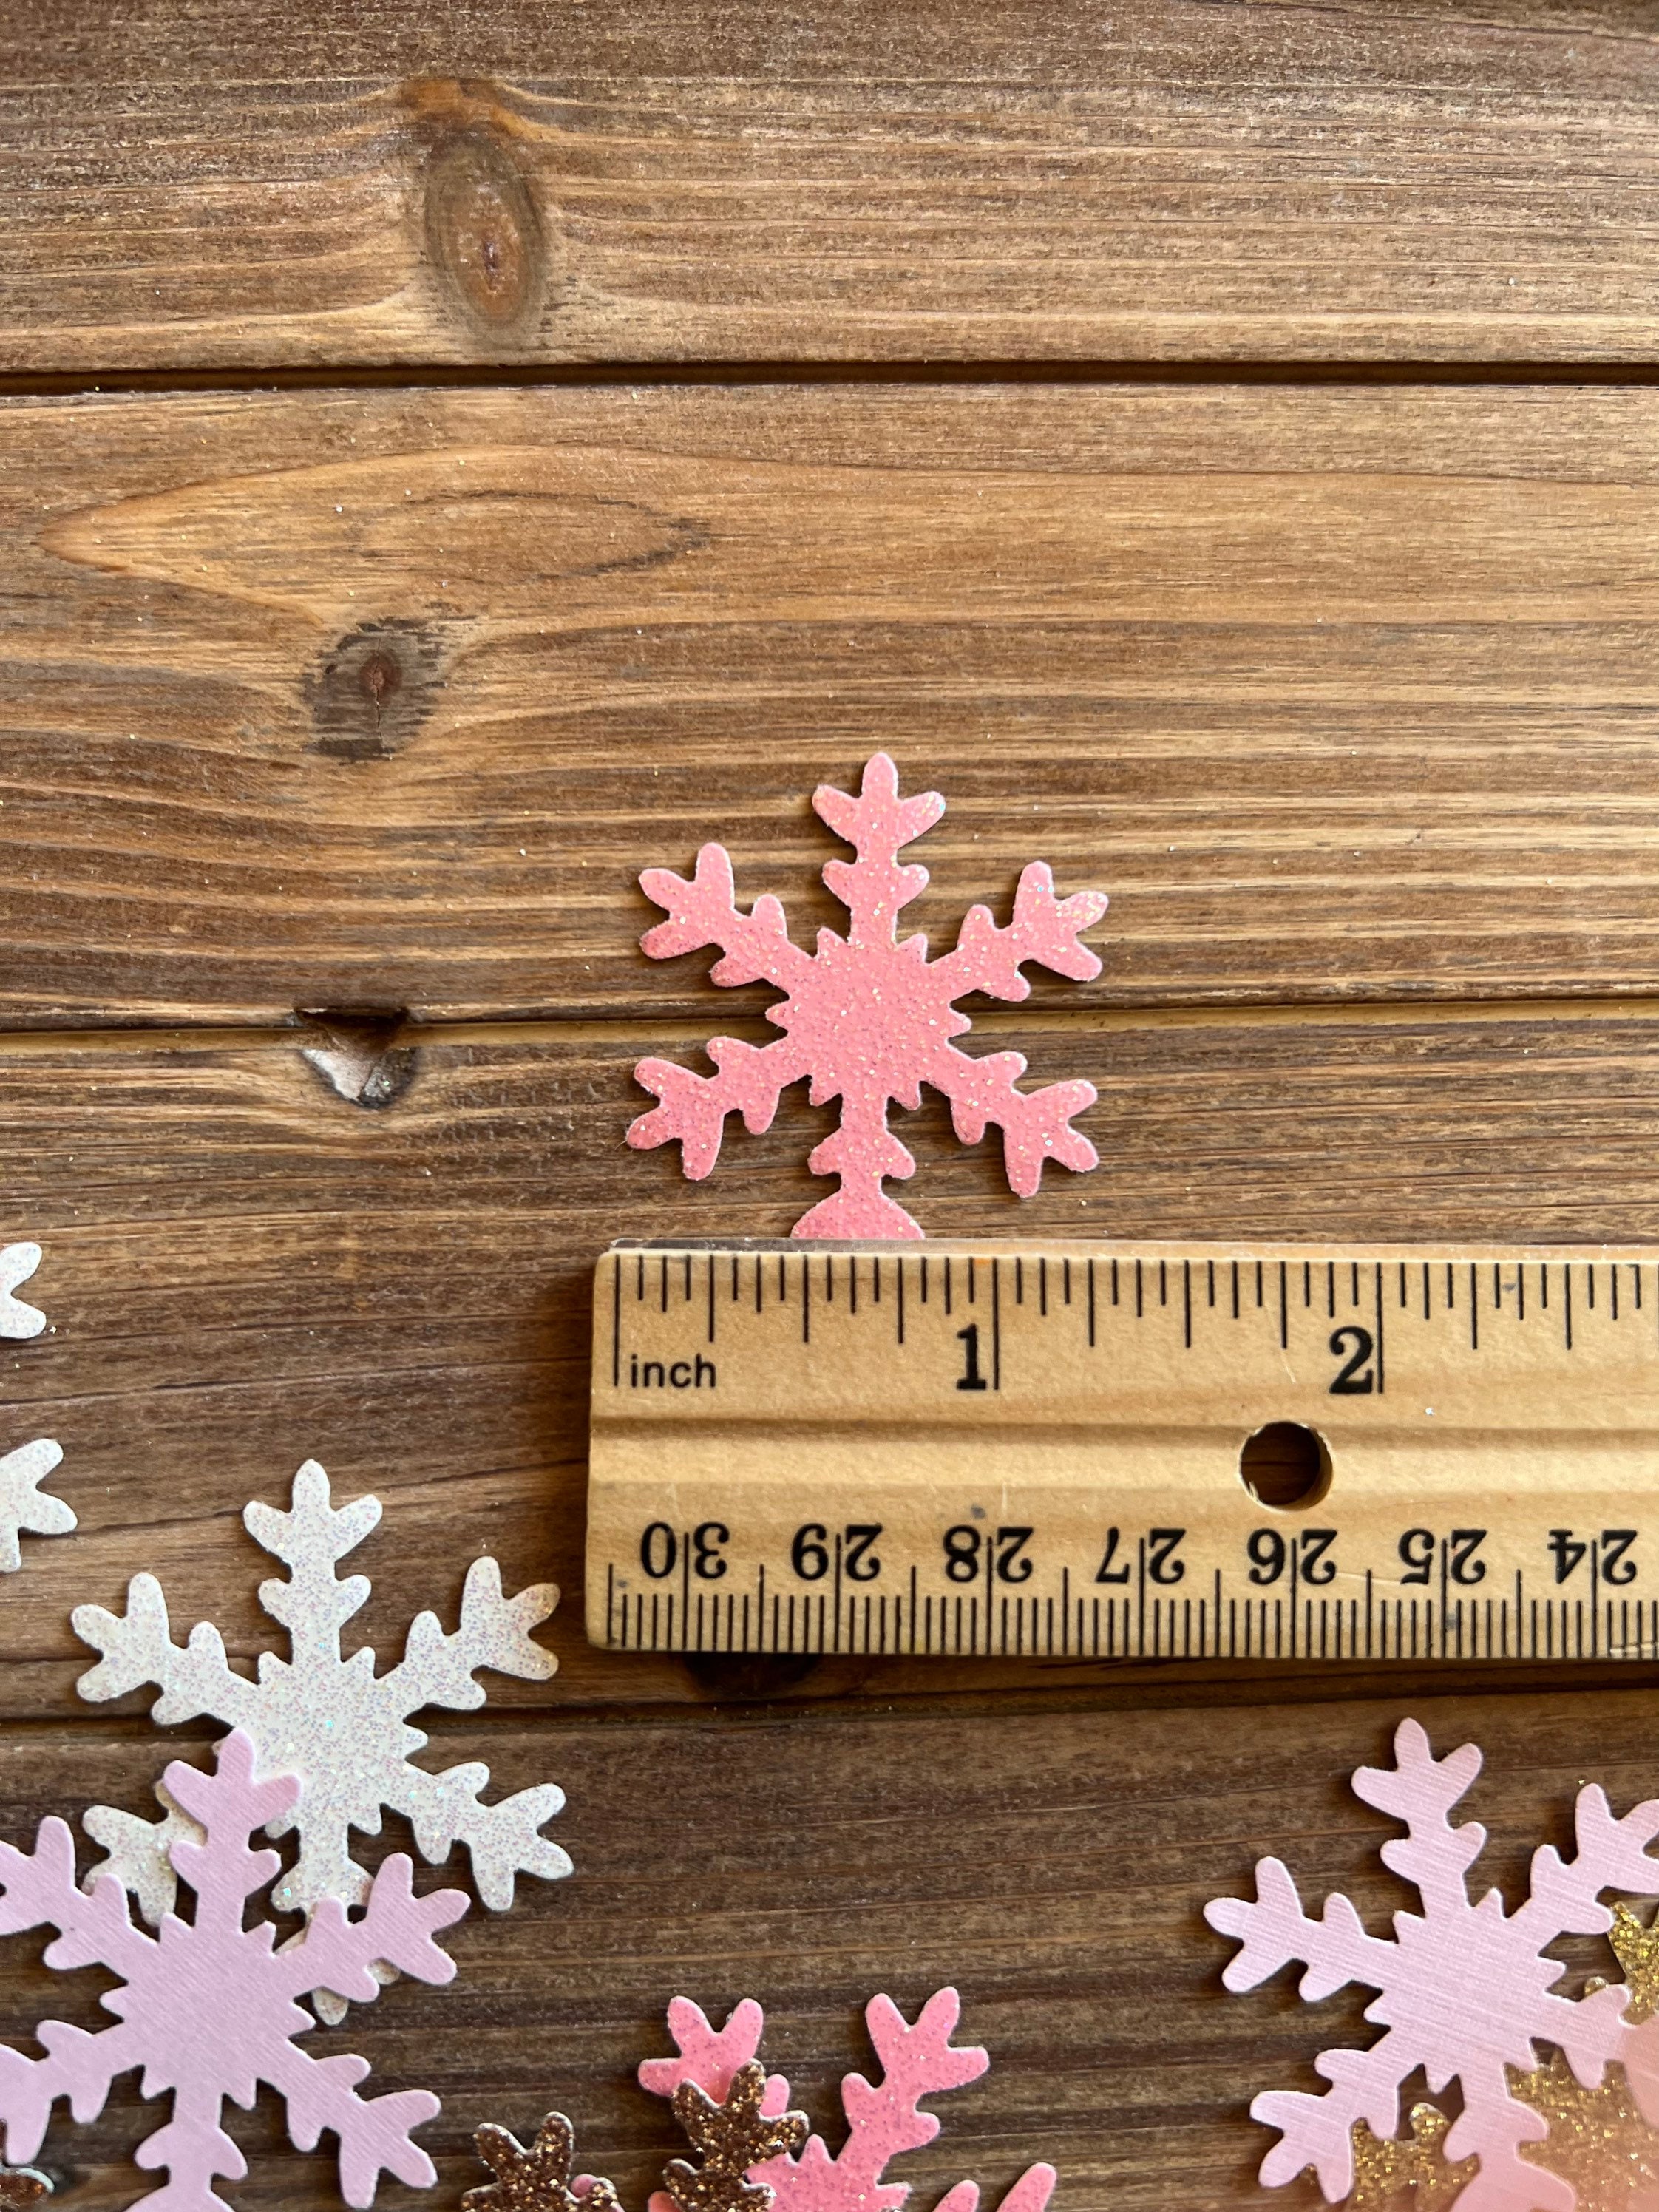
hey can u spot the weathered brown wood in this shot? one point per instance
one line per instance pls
(382, 700)
(1052, 1861)
(245, 1268)
(187, 187)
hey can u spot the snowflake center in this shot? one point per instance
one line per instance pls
(196, 1981)
(330, 1724)
(1455, 1993)
(886, 1009)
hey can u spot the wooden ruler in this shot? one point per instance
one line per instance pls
(1148, 1451)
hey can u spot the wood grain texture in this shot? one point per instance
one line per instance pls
(376, 700)
(245, 1268)
(188, 187)
(1053, 1859)
(352, 699)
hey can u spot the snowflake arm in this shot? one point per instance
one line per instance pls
(503, 1840)
(878, 825)
(884, 2117)
(137, 1647)
(1035, 1125)
(17, 1263)
(749, 1079)
(310, 1539)
(494, 1633)
(25, 1508)
(711, 2056)
(1274, 1931)
(375, 2134)
(1044, 929)
(755, 946)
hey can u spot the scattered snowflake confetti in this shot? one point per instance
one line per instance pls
(867, 1018)
(730, 2134)
(17, 1263)
(25, 1508)
(534, 2178)
(344, 1730)
(208, 2007)
(1598, 2139)
(1392, 2171)
(883, 2119)
(1465, 1987)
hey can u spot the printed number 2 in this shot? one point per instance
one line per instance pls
(1356, 1379)
(1612, 1545)
(1005, 1554)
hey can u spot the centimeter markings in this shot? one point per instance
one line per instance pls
(1513, 1627)
(818, 1450)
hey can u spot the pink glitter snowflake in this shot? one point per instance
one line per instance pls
(1465, 1987)
(883, 2119)
(207, 2007)
(868, 1018)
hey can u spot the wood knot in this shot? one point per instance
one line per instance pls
(373, 690)
(484, 236)
(357, 1053)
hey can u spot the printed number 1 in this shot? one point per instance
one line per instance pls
(970, 1379)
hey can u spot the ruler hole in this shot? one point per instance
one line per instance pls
(1285, 1464)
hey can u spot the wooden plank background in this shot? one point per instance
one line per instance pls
(450, 459)
(191, 186)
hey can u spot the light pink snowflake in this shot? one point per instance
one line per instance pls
(867, 1017)
(207, 2007)
(883, 2119)
(1465, 1989)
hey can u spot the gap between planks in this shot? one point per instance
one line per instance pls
(589, 1028)
(370, 376)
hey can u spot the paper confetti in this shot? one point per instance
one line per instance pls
(1598, 2140)
(868, 1018)
(1599, 2143)
(17, 1263)
(344, 1730)
(25, 1508)
(731, 2133)
(1409, 2174)
(883, 2119)
(207, 2007)
(1465, 1990)
(536, 2179)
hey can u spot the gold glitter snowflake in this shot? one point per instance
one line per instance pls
(1406, 2173)
(1598, 2140)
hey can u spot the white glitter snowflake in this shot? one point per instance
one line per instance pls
(1466, 1989)
(207, 2007)
(332, 1721)
(24, 1509)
